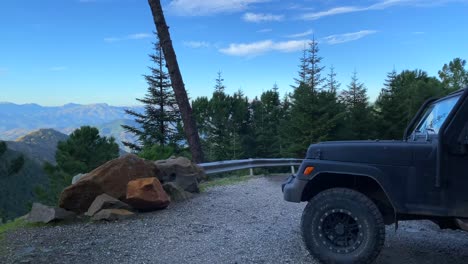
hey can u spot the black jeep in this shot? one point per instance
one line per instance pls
(355, 188)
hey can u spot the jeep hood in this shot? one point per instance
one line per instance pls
(393, 153)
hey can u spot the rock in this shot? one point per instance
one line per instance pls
(147, 194)
(78, 177)
(105, 201)
(110, 178)
(45, 214)
(176, 193)
(24, 217)
(188, 183)
(182, 171)
(111, 215)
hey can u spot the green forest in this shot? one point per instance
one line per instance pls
(319, 108)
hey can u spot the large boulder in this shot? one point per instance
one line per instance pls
(112, 214)
(182, 171)
(176, 192)
(110, 178)
(147, 194)
(105, 201)
(45, 214)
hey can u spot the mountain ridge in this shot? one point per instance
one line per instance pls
(39, 145)
(18, 120)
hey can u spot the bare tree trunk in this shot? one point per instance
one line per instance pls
(190, 127)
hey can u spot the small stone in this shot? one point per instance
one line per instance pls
(111, 215)
(105, 201)
(45, 214)
(176, 192)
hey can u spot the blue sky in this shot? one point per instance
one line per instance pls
(87, 51)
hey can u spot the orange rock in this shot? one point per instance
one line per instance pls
(110, 178)
(147, 194)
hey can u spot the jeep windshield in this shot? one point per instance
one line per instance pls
(435, 115)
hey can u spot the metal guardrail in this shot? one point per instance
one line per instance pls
(232, 165)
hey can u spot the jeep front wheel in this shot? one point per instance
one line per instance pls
(341, 225)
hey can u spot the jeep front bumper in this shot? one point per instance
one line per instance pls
(292, 189)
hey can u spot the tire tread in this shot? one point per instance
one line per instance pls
(345, 193)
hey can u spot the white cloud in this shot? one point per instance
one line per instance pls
(383, 4)
(139, 36)
(265, 30)
(330, 12)
(261, 47)
(135, 36)
(347, 37)
(301, 35)
(259, 17)
(197, 44)
(209, 7)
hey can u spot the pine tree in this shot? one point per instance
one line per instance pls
(314, 70)
(283, 122)
(358, 113)
(190, 127)
(385, 107)
(267, 118)
(239, 126)
(219, 86)
(332, 85)
(218, 124)
(401, 98)
(160, 121)
(315, 114)
(303, 69)
(454, 76)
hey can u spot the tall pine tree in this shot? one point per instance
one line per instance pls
(332, 85)
(401, 98)
(267, 118)
(358, 121)
(218, 123)
(160, 124)
(310, 118)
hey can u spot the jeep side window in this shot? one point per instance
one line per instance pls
(435, 115)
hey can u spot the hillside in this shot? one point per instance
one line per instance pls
(39, 146)
(16, 189)
(115, 130)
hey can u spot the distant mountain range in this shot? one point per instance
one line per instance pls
(19, 120)
(31, 133)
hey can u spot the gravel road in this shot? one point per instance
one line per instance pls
(243, 223)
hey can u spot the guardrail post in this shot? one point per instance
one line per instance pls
(251, 172)
(293, 170)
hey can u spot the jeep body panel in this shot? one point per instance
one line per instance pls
(426, 174)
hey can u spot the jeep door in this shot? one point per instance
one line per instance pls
(454, 157)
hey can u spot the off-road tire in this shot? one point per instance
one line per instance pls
(357, 238)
